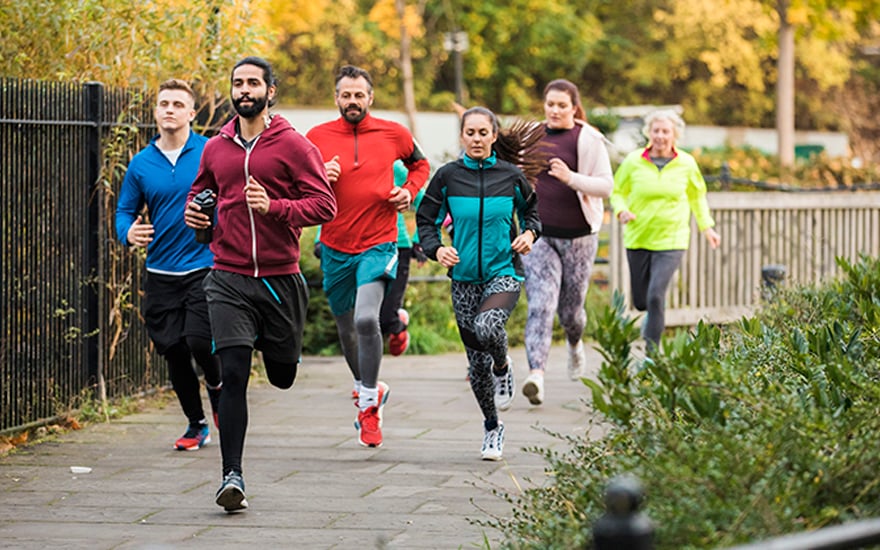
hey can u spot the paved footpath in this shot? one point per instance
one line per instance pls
(309, 483)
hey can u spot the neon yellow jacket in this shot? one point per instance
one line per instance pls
(662, 201)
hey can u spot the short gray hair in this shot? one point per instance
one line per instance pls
(664, 114)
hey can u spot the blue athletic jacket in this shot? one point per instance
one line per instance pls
(152, 180)
(485, 200)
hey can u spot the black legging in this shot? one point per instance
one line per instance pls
(650, 273)
(236, 363)
(185, 379)
(389, 321)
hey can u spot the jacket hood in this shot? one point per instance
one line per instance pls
(277, 125)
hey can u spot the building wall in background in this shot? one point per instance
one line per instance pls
(437, 133)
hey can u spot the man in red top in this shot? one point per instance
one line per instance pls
(359, 247)
(269, 182)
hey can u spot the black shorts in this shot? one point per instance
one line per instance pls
(175, 307)
(265, 313)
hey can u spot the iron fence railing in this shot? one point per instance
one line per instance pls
(70, 302)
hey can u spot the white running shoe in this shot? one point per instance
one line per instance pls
(533, 389)
(505, 388)
(493, 443)
(577, 362)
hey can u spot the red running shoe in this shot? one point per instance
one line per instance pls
(195, 438)
(397, 343)
(369, 429)
(369, 421)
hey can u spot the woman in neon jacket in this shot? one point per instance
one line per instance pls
(655, 191)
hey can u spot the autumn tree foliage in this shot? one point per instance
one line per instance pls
(719, 59)
(135, 44)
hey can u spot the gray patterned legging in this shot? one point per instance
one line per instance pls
(482, 311)
(557, 278)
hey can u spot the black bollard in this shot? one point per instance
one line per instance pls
(772, 276)
(623, 526)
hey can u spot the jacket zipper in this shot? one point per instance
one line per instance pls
(480, 224)
(356, 159)
(247, 177)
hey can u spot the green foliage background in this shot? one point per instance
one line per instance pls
(637, 52)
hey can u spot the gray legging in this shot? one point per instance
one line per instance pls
(650, 272)
(359, 335)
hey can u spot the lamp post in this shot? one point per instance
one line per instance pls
(456, 42)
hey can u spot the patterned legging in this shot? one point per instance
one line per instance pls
(482, 311)
(557, 278)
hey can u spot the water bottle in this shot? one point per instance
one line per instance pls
(206, 202)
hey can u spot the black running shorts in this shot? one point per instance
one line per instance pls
(265, 313)
(175, 307)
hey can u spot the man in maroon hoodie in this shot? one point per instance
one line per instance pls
(269, 182)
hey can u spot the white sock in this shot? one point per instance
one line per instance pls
(358, 386)
(368, 397)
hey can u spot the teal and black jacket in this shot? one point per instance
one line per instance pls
(490, 203)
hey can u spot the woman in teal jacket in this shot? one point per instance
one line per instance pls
(655, 191)
(493, 209)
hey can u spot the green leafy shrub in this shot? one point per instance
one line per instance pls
(764, 428)
(605, 121)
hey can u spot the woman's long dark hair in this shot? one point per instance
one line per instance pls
(517, 142)
(568, 87)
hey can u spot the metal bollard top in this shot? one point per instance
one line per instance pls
(624, 495)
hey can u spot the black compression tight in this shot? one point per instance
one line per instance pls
(236, 363)
(185, 381)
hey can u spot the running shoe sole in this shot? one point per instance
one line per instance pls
(232, 498)
(531, 391)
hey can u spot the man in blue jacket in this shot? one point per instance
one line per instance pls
(175, 309)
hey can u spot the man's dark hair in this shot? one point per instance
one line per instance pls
(268, 74)
(350, 71)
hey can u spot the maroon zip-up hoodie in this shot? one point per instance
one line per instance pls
(290, 168)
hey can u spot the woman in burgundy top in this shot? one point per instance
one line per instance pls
(570, 193)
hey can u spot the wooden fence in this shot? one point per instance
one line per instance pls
(804, 232)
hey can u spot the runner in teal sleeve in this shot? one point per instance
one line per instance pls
(393, 318)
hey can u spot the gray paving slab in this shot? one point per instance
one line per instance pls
(309, 483)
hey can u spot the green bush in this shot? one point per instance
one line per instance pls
(606, 122)
(765, 427)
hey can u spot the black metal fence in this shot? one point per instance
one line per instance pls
(727, 182)
(70, 292)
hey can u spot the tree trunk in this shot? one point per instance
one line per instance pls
(409, 96)
(785, 89)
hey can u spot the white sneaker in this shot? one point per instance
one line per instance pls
(534, 387)
(505, 388)
(493, 443)
(577, 362)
